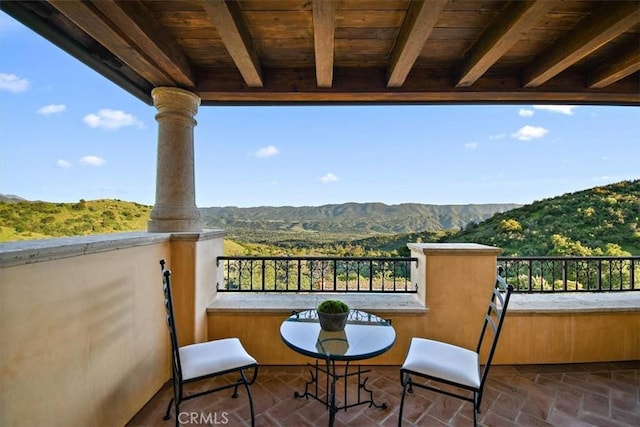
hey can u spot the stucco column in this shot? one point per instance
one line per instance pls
(175, 208)
(455, 281)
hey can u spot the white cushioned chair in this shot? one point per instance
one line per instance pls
(436, 362)
(205, 360)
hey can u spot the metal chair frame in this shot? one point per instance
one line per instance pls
(494, 319)
(177, 378)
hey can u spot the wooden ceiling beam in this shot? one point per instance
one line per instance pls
(427, 98)
(324, 12)
(420, 20)
(133, 18)
(233, 30)
(596, 30)
(368, 85)
(506, 31)
(612, 71)
(92, 21)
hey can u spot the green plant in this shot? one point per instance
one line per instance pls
(333, 306)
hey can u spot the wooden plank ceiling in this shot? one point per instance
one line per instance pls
(354, 51)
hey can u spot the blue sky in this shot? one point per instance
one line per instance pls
(67, 133)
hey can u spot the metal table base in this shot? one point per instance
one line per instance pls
(331, 378)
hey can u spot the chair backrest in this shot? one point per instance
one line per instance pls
(493, 321)
(168, 305)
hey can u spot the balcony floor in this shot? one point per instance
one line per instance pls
(596, 394)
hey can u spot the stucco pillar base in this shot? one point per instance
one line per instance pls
(173, 225)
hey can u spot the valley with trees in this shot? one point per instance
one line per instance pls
(603, 220)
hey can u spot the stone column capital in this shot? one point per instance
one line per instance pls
(175, 100)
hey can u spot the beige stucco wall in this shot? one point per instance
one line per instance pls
(260, 335)
(83, 327)
(526, 339)
(578, 337)
(83, 338)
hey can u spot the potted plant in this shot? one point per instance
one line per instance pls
(333, 315)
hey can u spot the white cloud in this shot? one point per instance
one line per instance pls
(52, 109)
(527, 133)
(13, 83)
(329, 178)
(562, 109)
(497, 136)
(63, 163)
(92, 161)
(471, 145)
(525, 113)
(111, 119)
(267, 151)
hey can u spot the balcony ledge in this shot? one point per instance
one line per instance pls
(521, 304)
(575, 303)
(266, 303)
(33, 251)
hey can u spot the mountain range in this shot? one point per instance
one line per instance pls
(351, 218)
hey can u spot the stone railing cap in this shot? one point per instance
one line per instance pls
(454, 248)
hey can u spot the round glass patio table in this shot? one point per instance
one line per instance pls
(365, 335)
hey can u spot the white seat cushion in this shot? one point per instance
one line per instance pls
(211, 357)
(442, 360)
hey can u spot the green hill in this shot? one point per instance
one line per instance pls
(599, 221)
(22, 220)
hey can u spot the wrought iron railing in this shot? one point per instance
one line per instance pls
(393, 274)
(572, 274)
(316, 274)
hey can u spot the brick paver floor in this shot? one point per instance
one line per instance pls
(597, 394)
